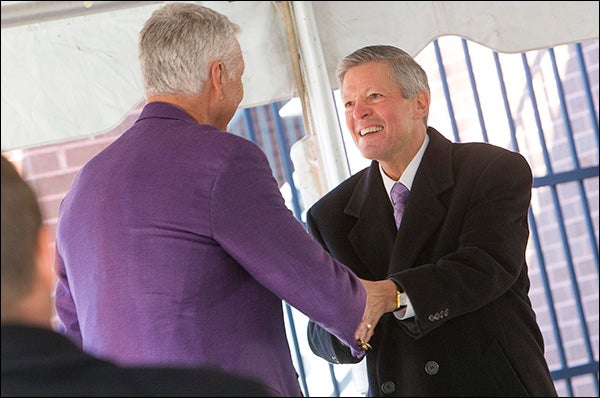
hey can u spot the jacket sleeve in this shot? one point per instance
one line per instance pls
(250, 221)
(321, 342)
(327, 346)
(483, 260)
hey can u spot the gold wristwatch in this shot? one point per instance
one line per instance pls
(401, 302)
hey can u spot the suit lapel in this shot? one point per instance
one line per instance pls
(424, 211)
(374, 233)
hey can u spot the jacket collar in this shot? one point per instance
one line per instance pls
(164, 110)
(424, 212)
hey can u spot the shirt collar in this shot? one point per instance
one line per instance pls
(408, 176)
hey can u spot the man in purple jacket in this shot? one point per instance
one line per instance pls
(174, 245)
(37, 361)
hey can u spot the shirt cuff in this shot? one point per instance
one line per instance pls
(405, 312)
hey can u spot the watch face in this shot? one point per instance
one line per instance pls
(403, 299)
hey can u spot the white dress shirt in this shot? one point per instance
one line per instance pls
(407, 179)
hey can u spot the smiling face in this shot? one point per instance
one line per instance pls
(384, 125)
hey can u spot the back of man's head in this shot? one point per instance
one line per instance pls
(21, 223)
(178, 44)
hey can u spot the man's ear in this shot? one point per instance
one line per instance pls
(422, 104)
(217, 76)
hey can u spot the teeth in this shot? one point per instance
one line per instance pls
(368, 130)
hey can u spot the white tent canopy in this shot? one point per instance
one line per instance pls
(70, 69)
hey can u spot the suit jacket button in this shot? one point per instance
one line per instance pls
(388, 387)
(432, 368)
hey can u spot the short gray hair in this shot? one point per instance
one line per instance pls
(179, 42)
(405, 71)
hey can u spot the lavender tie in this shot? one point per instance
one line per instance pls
(399, 194)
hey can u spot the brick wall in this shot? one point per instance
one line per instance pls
(50, 169)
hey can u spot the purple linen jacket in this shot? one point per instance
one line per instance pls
(174, 246)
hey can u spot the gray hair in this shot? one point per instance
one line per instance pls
(179, 42)
(404, 70)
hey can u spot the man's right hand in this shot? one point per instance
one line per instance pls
(381, 298)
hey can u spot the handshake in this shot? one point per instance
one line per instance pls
(381, 298)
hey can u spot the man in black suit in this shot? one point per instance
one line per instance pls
(461, 322)
(36, 361)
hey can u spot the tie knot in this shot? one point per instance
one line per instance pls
(399, 193)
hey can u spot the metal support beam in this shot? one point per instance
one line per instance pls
(320, 95)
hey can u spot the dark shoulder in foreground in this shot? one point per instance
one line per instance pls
(192, 382)
(101, 379)
(40, 362)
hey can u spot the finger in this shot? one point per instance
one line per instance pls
(362, 332)
(365, 331)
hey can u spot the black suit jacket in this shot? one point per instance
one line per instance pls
(41, 363)
(460, 256)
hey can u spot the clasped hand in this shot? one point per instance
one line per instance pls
(381, 298)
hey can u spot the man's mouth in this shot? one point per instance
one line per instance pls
(369, 130)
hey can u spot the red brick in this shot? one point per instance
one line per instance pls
(53, 185)
(40, 163)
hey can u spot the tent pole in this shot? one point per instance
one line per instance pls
(319, 94)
